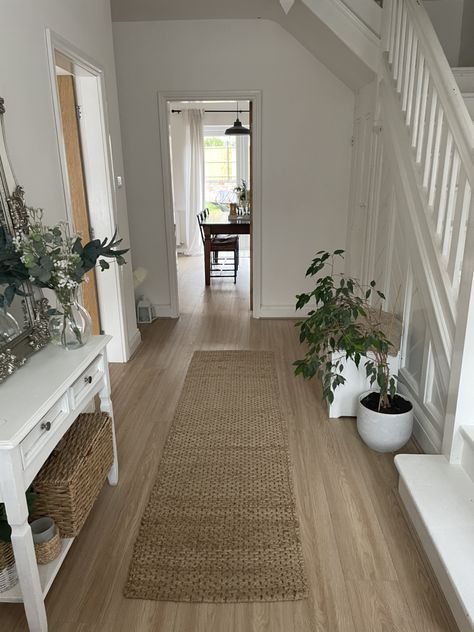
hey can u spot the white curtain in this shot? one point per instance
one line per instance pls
(194, 179)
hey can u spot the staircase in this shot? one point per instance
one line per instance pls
(411, 227)
(427, 111)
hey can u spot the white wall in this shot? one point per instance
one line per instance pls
(447, 17)
(307, 127)
(362, 204)
(466, 51)
(25, 85)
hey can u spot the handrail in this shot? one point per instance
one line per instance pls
(440, 128)
(441, 74)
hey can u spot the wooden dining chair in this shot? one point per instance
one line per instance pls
(221, 243)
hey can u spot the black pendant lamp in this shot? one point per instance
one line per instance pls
(237, 128)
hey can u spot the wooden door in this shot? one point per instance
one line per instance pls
(77, 186)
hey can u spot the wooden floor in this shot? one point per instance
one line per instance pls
(364, 568)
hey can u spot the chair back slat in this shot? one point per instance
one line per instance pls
(200, 218)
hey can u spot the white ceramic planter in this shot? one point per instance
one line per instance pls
(381, 432)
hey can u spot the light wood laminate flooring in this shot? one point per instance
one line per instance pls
(365, 570)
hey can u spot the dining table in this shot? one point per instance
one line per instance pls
(216, 224)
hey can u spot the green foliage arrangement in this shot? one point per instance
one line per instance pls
(13, 272)
(51, 257)
(342, 326)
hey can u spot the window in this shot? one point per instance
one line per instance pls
(226, 164)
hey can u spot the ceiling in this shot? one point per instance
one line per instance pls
(301, 22)
(130, 10)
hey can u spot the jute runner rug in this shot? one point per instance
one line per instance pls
(220, 524)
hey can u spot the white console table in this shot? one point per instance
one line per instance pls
(38, 404)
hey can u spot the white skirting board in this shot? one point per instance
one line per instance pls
(164, 311)
(134, 343)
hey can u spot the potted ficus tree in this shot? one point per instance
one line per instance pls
(343, 327)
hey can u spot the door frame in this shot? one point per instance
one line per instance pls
(255, 96)
(112, 293)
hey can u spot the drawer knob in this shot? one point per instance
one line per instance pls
(88, 379)
(46, 426)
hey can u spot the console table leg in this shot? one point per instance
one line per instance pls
(106, 407)
(113, 474)
(28, 575)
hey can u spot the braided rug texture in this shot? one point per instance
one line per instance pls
(220, 524)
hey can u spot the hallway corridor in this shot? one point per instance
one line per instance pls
(364, 568)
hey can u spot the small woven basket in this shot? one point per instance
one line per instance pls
(8, 574)
(48, 551)
(71, 479)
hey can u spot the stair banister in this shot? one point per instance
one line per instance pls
(399, 17)
(440, 129)
(441, 136)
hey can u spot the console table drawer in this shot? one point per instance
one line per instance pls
(37, 437)
(87, 381)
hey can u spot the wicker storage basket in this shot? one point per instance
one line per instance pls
(71, 479)
(48, 551)
(8, 575)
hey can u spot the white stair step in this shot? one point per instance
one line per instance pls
(467, 455)
(465, 79)
(439, 498)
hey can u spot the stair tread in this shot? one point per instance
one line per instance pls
(443, 495)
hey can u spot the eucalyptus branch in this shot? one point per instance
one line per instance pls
(51, 257)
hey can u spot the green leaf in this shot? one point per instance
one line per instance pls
(5, 531)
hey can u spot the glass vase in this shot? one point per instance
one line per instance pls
(9, 328)
(70, 325)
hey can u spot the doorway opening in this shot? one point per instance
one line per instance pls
(207, 169)
(70, 122)
(210, 169)
(89, 189)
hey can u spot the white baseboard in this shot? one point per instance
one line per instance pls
(133, 343)
(279, 311)
(164, 311)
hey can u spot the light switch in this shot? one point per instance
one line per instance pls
(119, 181)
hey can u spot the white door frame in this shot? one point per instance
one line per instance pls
(110, 291)
(255, 96)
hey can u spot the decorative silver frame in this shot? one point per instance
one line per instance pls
(14, 218)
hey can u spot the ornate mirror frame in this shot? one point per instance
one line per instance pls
(15, 219)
